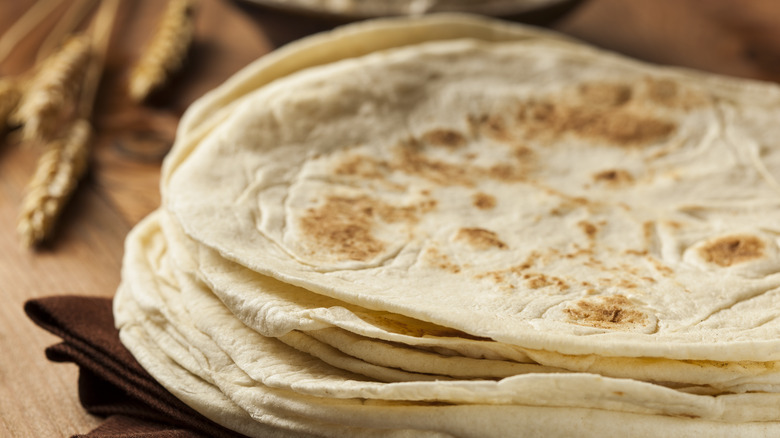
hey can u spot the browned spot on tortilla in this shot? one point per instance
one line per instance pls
(506, 172)
(395, 323)
(663, 91)
(344, 226)
(491, 125)
(609, 312)
(616, 125)
(362, 166)
(614, 177)
(605, 94)
(480, 238)
(444, 137)
(660, 266)
(648, 232)
(588, 228)
(668, 93)
(435, 258)
(411, 159)
(732, 250)
(483, 201)
(538, 281)
(626, 284)
(523, 152)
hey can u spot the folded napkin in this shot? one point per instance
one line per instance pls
(112, 383)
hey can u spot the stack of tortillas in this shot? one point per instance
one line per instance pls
(455, 226)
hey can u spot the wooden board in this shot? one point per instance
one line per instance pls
(39, 398)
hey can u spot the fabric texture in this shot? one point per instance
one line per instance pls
(111, 382)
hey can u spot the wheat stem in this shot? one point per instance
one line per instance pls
(56, 176)
(166, 51)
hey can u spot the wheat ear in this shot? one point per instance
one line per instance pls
(10, 93)
(56, 176)
(166, 51)
(54, 89)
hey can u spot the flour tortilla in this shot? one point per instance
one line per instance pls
(380, 360)
(207, 350)
(282, 309)
(345, 42)
(695, 180)
(481, 421)
(376, 8)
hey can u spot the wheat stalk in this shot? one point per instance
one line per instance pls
(56, 176)
(10, 93)
(165, 52)
(54, 89)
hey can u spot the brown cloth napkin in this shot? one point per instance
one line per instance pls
(112, 383)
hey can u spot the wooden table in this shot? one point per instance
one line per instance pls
(39, 398)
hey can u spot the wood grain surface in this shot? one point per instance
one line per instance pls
(39, 398)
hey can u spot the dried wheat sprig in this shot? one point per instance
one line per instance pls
(166, 51)
(56, 176)
(10, 93)
(54, 88)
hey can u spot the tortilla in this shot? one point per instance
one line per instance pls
(644, 190)
(358, 332)
(192, 328)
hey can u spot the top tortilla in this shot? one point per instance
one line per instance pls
(537, 192)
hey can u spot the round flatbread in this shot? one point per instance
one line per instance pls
(537, 193)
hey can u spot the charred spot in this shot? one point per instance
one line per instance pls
(480, 238)
(733, 250)
(483, 201)
(588, 228)
(605, 94)
(442, 261)
(668, 93)
(614, 177)
(616, 125)
(491, 125)
(411, 160)
(505, 172)
(362, 166)
(344, 226)
(609, 312)
(538, 281)
(444, 137)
